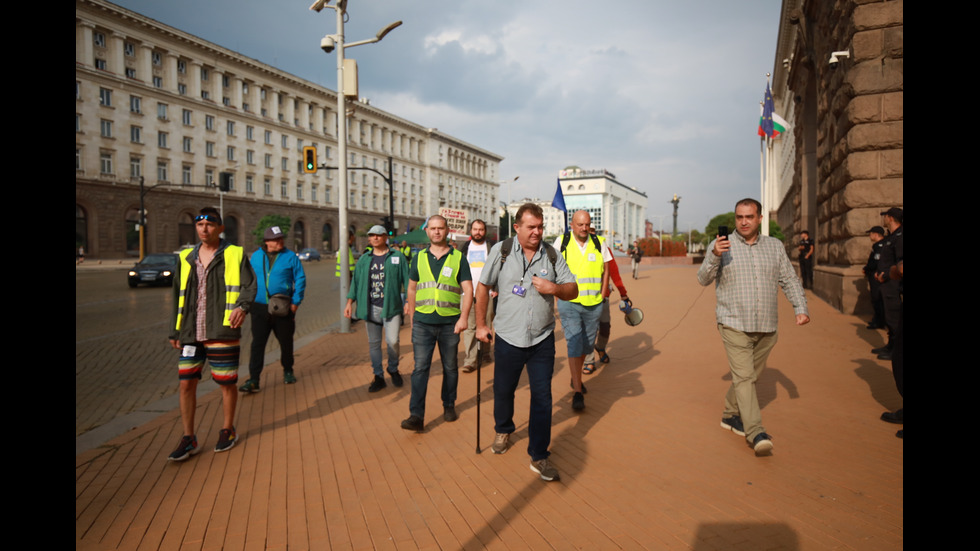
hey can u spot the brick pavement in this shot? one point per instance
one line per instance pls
(324, 465)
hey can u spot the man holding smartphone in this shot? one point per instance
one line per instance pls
(746, 268)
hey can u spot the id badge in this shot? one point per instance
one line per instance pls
(447, 271)
(394, 260)
(591, 257)
(189, 351)
(519, 291)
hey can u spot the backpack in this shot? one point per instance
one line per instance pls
(567, 237)
(508, 244)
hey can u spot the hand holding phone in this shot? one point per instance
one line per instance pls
(722, 243)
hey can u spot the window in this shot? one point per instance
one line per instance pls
(185, 175)
(78, 123)
(187, 144)
(182, 66)
(262, 93)
(187, 117)
(231, 128)
(313, 194)
(100, 64)
(135, 104)
(268, 137)
(162, 111)
(106, 128)
(135, 167)
(249, 184)
(285, 164)
(284, 189)
(328, 152)
(209, 123)
(231, 153)
(105, 162)
(268, 160)
(135, 134)
(181, 88)
(209, 177)
(158, 82)
(129, 49)
(162, 139)
(299, 191)
(205, 94)
(105, 97)
(130, 73)
(99, 39)
(78, 159)
(246, 108)
(162, 171)
(226, 101)
(267, 186)
(250, 133)
(204, 74)
(78, 90)
(157, 59)
(299, 144)
(209, 149)
(285, 141)
(326, 194)
(250, 157)
(224, 81)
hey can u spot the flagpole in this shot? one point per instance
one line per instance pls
(764, 199)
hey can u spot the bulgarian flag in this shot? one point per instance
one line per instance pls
(770, 124)
(779, 126)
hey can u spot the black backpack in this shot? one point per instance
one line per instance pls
(508, 244)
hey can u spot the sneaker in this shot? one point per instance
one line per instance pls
(249, 387)
(898, 417)
(578, 401)
(377, 384)
(880, 350)
(468, 369)
(288, 377)
(186, 448)
(500, 443)
(449, 414)
(762, 444)
(887, 355)
(734, 424)
(226, 440)
(396, 379)
(414, 422)
(544, 468)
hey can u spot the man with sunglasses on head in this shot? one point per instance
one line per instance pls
(213, 291)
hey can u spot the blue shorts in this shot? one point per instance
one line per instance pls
(580, 325)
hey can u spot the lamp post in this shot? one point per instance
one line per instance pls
(328, 44)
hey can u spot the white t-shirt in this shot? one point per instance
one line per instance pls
(476, 256)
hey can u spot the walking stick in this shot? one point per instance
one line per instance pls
(479, 363)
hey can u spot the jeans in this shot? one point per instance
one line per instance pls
(424, 340)
(509, 362)
(262, 324)
(390, 329)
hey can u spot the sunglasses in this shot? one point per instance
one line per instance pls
(208, 217)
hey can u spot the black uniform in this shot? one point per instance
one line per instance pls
(806, 264)
(878, 320)
(892, 252)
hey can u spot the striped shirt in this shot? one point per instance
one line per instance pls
(745, 279)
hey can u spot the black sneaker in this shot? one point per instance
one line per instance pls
(898, 417)
(186, 448)
(734, 424)
(250, 386)
(226, 440)
(414, 422)
(396, 379)
(578, 401)
(880, 350)
(377, 384)
(289, 377)
(544, 468)
(449, 414)
(762, 444)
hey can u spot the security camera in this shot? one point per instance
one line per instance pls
(835, 58)
(327, 43)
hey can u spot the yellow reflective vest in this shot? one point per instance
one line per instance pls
(441, 295)
(588, 269)
(233, 256)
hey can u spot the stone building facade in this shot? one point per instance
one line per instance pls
(842, 164)
(161, 106)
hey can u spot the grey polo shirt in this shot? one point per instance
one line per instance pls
(528, 320)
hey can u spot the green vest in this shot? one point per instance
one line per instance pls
(588, 273)
(233, 255)
(441, 295)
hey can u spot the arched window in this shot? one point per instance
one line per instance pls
(328, 237)
(231, 230)
(299, 235)
(131, 225)
(186, 234)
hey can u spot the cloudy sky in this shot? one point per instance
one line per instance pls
(662, 93)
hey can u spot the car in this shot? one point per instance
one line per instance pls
(309, 254)
(154, 269)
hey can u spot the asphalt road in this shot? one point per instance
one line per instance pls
(123, 361)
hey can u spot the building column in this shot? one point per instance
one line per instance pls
(84, 47)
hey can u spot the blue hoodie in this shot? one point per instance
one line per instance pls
(286, 277)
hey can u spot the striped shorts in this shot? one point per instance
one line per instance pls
(222, 355)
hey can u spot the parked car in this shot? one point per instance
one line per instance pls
(154, 269)
(309, 254)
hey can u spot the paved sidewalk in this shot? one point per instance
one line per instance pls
(323, 464)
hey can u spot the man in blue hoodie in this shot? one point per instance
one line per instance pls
(281, 280)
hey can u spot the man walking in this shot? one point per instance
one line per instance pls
(605, 320)
(746, 269)
(213, 291)
(529, 274)
(476, 251)
(587, 257)
(806, 248)
(636, 253)
(440, 293)
(281, 283)
(377, 289)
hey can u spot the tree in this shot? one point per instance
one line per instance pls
(268, 221)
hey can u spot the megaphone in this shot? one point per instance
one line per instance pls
(633, 315)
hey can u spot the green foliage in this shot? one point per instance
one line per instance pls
(267, 222)
(775, 230)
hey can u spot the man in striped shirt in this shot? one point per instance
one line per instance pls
(746, 269)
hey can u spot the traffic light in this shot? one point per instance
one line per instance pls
(224, 181)
(309, 159)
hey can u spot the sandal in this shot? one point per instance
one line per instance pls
(588, 369)
(605, 357)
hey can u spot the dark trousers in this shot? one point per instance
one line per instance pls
(509, 362)
(876, 302)
(806, 272)
(262, 325)
(898, 353)
(891, 296)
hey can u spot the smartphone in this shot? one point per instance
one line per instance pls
(723, 232)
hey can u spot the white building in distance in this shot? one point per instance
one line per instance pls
(617, 210)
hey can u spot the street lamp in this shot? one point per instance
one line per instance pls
(328, 44)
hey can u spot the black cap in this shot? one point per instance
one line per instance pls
(272, 232)
(895, 213)
(877, 229)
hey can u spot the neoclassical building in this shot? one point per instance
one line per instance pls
(838, 79)
(618, 211)
(156, 105)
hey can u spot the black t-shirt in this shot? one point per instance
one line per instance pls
(376, 280)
